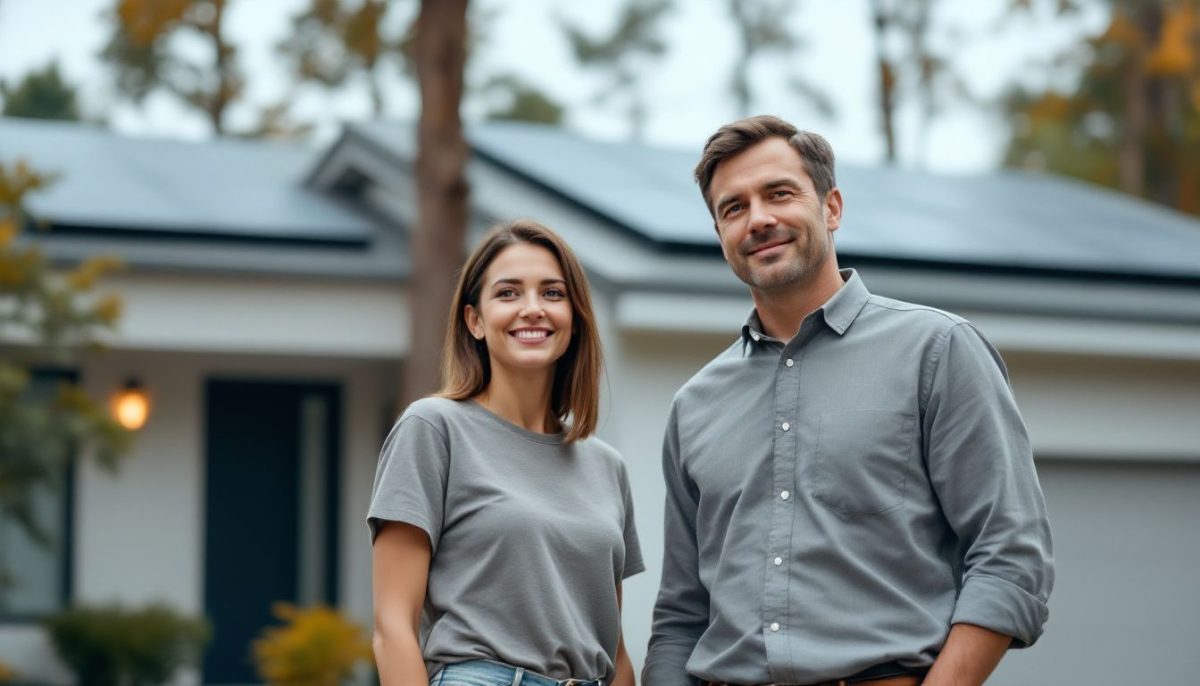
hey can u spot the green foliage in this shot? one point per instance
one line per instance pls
(40, 95)
(331, 42)
(521, 101)
(114, 646)
(141, 53)
(46, 317)
(762, 27)
(316, 647)
(910, 68)
(623, 53)
(1133, 120)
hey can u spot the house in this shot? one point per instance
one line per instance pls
(266, 315)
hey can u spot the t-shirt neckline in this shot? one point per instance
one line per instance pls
(551, 439)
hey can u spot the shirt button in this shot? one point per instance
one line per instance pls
(785, 426)
(789, 362)
(774, 626)
(785, 495)
(778, 561)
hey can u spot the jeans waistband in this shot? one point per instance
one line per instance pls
(492, 673)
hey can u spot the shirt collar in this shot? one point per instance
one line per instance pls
(839, 311)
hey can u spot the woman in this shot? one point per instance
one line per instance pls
(501, 531)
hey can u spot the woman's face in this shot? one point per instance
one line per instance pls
(524, 314)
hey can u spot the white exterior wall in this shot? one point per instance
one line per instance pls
(652, 366)
(138, 534)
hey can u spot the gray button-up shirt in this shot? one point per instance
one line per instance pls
(839, 500)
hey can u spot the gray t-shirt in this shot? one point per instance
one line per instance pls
(530, 538)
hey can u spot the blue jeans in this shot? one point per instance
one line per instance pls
(489, 673)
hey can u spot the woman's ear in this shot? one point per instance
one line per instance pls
(474, 323)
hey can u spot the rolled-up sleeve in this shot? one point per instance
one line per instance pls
(981, 466)
(681, 613)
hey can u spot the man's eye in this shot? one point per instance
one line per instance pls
(782, 193)
(731, 208)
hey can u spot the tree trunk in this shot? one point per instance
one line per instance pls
(226, 84)
(1136, 86)
(442, 211)
(887, 81)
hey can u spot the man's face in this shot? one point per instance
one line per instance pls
(775, 231)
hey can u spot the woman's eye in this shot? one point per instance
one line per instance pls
(555, 293)
(506, 293)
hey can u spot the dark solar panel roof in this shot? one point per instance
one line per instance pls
(230, 188)
(1003, 219)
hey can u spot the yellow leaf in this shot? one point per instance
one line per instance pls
(85, 275)
(8, 231)
(145, 20)
(1175, 53)
(108, 309)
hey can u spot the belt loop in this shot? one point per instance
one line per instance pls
(518, 675)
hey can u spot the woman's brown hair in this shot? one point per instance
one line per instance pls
(466, 368)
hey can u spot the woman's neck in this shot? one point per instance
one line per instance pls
(523, 399)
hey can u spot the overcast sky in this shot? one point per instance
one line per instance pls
(688, 91)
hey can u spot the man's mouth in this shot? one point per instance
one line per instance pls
(762, 247)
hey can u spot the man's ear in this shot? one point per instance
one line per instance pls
(833, 209)
(473, 321)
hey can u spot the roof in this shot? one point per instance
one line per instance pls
(1002, 219)
(225, 188)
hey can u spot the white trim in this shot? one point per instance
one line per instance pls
(714, 314)
(201, 313)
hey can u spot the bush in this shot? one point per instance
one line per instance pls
(317, 647)
(114, 646)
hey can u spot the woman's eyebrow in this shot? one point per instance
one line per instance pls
(517, 282)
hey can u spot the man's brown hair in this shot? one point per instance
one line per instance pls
(466, 367)
(731, 139)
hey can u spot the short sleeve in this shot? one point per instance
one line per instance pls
(410, 481)
(633, 549)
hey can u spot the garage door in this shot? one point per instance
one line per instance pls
(1126, 604)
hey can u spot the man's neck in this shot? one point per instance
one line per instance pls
(782, 311)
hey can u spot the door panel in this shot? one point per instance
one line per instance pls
(270, 497)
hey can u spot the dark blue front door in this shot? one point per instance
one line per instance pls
(270, 511)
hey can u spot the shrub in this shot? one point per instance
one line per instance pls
(114, 646)
(316, 647)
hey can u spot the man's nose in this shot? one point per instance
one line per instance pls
(760, 216)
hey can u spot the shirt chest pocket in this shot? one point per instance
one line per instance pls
(862, 460)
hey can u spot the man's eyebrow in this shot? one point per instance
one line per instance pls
(777, 183)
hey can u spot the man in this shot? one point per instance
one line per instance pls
(851, 496)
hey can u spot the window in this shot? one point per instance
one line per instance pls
(36, 574)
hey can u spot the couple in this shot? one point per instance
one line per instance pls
(851, 496)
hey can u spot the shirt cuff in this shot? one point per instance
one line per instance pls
(1003, 607)
(666, 665)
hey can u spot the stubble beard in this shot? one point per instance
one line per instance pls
(787, 271)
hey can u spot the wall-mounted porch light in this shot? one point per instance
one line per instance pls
(131, 405)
